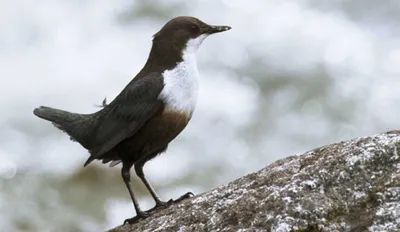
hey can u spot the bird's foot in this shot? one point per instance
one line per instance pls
(166, 204)
(172, 201)
(160, 205)
(140, 215)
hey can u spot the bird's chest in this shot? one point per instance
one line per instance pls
(181, 87)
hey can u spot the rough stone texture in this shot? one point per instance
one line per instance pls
(347, 186)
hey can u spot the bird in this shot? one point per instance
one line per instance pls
(150, 112)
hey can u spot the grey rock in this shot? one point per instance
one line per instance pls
(347, 186)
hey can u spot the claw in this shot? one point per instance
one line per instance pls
(141, 215)
(184, 196)
(181, 198)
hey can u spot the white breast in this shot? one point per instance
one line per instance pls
(181, 84)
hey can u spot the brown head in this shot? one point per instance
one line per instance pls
(183, 28)
(175, 36)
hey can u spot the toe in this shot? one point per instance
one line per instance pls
(184, 196)
(140, 215)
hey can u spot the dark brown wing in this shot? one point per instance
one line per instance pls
(124, 116)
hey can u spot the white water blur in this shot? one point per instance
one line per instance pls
(289, 76)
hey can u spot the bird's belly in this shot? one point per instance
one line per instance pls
(163, 128)
(153, 137)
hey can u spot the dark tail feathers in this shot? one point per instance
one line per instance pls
(56, 116)
(71, 123)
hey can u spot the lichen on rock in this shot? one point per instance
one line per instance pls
(346, 186)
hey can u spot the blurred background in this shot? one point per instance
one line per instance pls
(290, 76)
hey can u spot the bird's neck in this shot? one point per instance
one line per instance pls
(163, 57)
(167, 54)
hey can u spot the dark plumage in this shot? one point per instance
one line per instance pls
(141, 121)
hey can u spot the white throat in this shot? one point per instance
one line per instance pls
(193, 45)
(181, 83)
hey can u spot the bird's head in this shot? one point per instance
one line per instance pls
(186, 32)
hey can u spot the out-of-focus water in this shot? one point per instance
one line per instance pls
(289, 76)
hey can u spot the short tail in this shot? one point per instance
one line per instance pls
(72, 123)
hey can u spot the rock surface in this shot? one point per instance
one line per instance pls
(347, 186)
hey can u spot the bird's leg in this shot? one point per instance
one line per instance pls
(140, 174)
(157, 199)
(125, 172)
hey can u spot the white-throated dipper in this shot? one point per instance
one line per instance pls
(149, 112)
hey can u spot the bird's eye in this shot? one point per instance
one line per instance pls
(195, 29)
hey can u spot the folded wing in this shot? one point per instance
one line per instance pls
(124, 116)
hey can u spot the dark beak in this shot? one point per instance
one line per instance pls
(215, 29)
